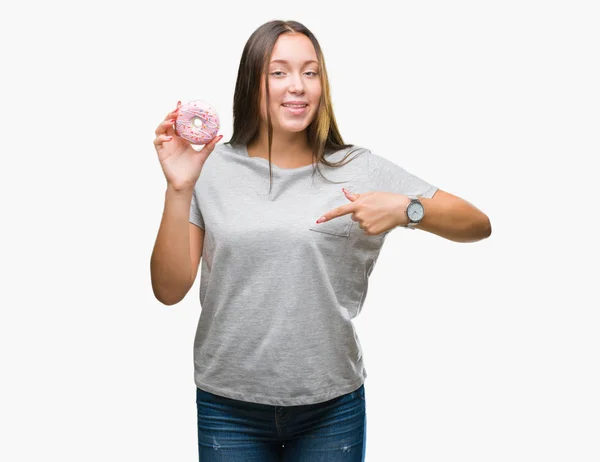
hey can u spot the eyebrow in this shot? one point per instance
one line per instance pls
(286, 62)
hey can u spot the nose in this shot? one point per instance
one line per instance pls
(296, 85)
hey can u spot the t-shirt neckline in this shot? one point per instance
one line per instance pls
(275, 167)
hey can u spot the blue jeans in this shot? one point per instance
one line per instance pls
(238, 431)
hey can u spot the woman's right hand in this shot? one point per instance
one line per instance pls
(180, 162)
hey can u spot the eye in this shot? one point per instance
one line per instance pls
(277, 73)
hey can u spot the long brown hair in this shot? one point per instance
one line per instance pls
(323, 134)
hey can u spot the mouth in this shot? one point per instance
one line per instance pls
(296, 108)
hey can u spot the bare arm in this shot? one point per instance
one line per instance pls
(174, 262)
(454, 218)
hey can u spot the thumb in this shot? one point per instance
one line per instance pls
(350, 195)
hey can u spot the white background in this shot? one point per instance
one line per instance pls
(475, 352)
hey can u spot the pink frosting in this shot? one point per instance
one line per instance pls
(197, 122)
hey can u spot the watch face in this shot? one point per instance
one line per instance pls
(415, 211)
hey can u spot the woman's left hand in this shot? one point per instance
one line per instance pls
(375, 212)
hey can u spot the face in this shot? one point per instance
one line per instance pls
(293, 76)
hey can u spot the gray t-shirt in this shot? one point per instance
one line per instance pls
(278, 292)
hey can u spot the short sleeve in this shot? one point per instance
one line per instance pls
(195, 214)
(385, 175)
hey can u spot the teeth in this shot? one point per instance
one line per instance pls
(295, 105)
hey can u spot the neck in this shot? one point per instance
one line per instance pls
(285, 147)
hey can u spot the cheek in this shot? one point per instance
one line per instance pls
(276, 99)
(318, 87)
(315, 93)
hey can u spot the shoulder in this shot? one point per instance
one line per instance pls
(380, 163)
(216, 166)
(224, 148)
(221, 155)
(352, 152)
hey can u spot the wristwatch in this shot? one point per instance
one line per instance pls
(414, 212)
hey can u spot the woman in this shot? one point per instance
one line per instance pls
(286, 256)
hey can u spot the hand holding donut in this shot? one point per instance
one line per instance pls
(180, 162)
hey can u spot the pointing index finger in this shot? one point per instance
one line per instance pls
(337, 212)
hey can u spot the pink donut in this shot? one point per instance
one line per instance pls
(197, 122)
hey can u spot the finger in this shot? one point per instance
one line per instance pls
(160, 139)
(165, 127)
(354, 196)
(175, 112)
(351, 196)
(338, 212)
(171, 117)
(211, 144)
(172, 114)
(216, 139)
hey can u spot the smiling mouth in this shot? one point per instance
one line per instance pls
(296, 110)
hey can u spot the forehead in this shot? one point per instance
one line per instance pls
(293, 49)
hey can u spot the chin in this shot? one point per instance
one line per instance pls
(294, 128)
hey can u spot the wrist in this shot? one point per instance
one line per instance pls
(173, 193)
(402, 217)
(179, 190)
